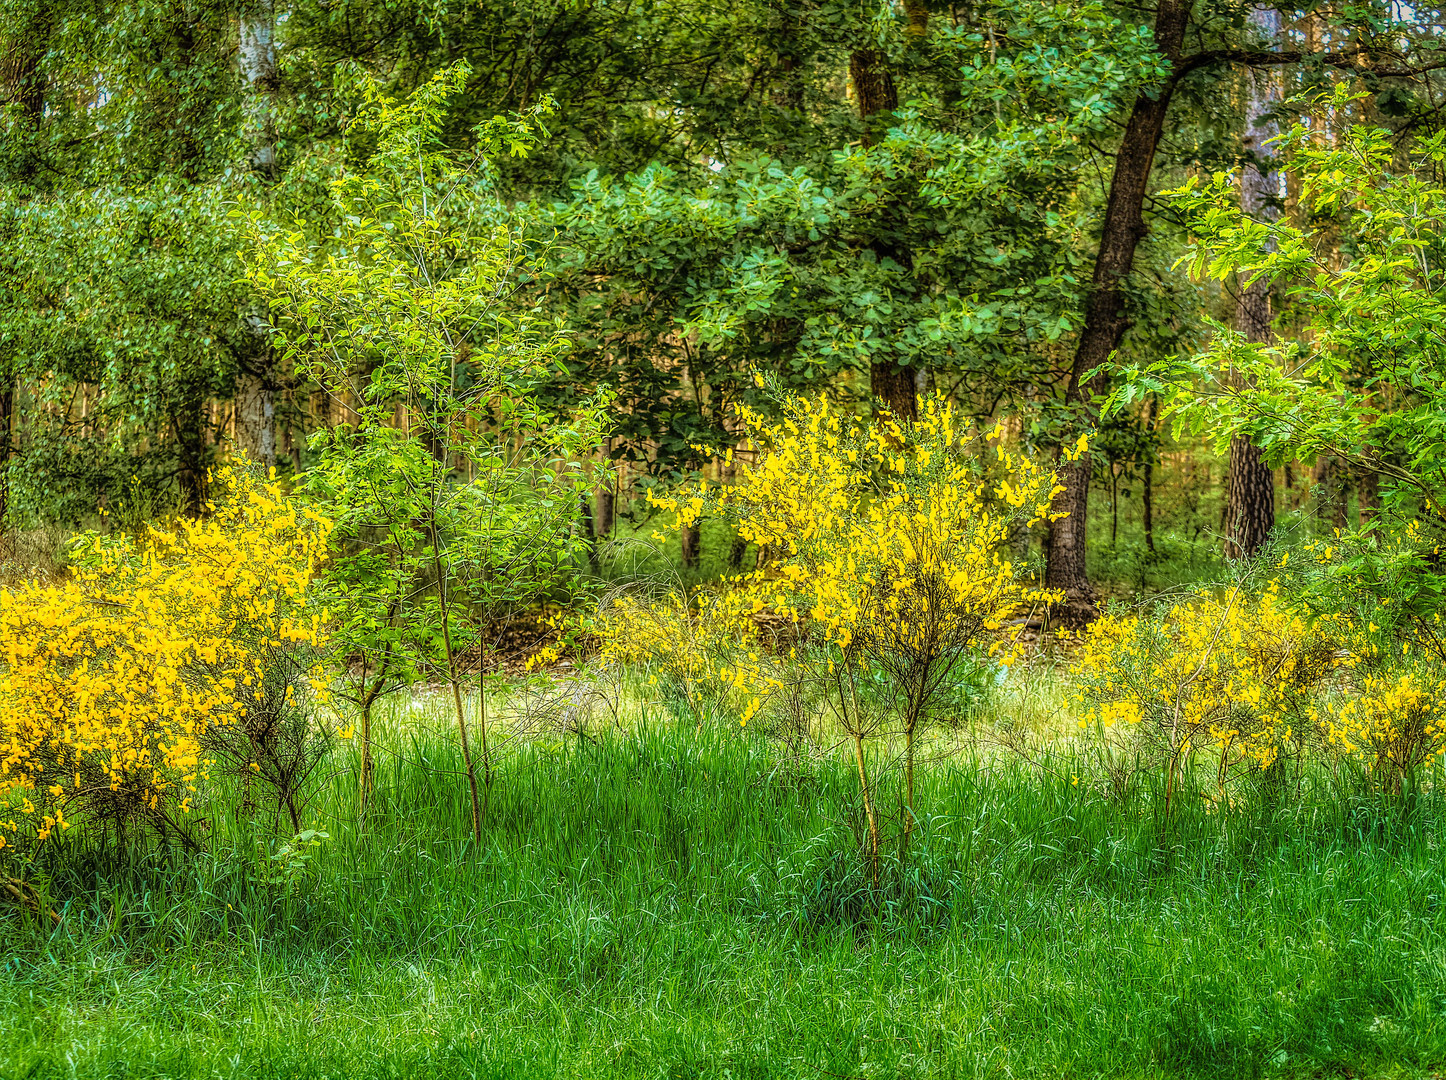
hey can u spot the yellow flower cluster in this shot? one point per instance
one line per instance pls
(1393, 721)
(898, 535)
(689, 641)
(1237, 676)
(109, 678)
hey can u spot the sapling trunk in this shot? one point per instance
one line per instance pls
(482, 727)
(908, 785)
(868, 805)
(462, 729)
(366, 781)
(445, 611)
(856, 729)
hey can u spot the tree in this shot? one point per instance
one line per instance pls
(1250, 506)
(1361, 380)
(1107, 317)
(461, 509)
(120, 317)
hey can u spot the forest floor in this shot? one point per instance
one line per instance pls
(667, 902)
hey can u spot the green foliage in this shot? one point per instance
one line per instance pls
(949, 243)
(1361, 377)
(151, 347)
(286, 867)
(452, 492)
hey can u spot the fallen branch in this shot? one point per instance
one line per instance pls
(25, 895)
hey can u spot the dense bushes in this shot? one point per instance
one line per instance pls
(119, 681)
(1330, 657)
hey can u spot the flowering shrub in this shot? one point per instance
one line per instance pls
(889, 544)
(1392, 721)
(111, 680)
(684, 642)
(1238, 678)
(882, 529)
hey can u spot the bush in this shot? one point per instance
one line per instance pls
(1339, 653)
(1235, 678)
(114, 681)
(889, 546)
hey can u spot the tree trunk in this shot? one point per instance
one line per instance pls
(1114, 506)
(258, 67)
(189, 433)
(1368, 496)
(788, 91)
(256, 407)
(874, 89)
(1330, 480)
(1147, 487)
(605, 506)
(1105, 317)
(894, 387)
(22, 86)
(256, 390)
(7, 416)
(1250, 506)
(692, 546)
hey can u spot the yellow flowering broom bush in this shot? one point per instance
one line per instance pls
(887, 543)
(1237, 678)
(112, 680)
(1381, 591)
(683, 641)
(1393, 722)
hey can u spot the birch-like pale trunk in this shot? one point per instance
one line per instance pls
(256, 389)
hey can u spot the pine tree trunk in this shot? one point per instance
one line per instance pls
(1105, 318)
(1250, 506)
(894, 388)
(1250, 513)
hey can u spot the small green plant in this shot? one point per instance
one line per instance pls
(285, 867)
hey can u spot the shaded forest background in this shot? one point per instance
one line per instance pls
(868, 199)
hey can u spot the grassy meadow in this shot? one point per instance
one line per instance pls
(662, 899)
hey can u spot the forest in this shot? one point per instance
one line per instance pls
(669, 539)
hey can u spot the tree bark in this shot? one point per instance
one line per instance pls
(692, 537)
(21, 80)
(1331, 482)
(22, 84)
(605, 505)
(1250, 504)
(1105, 317)
(256, 389)
(1368, 496)
(874, 89)
(895, 388)
(788, 91)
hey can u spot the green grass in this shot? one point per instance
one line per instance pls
(675, 904)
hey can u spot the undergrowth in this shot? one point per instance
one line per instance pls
(681, 903)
